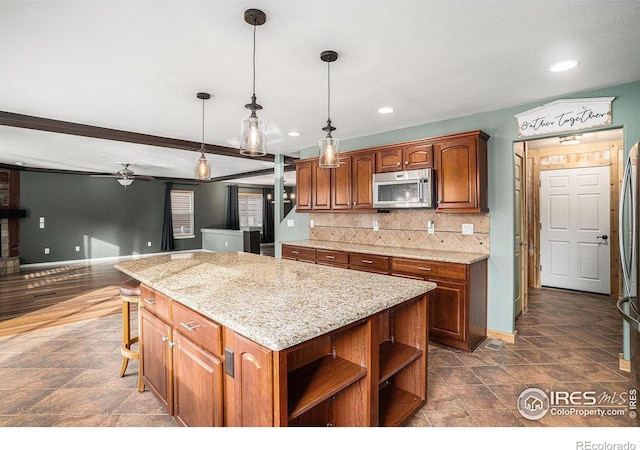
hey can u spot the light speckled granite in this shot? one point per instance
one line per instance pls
(401, 252)
(274, 302)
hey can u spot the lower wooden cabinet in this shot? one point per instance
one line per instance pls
(180, 360)
(197, 381)
(458, 308)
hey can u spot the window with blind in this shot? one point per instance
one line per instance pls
(250, 209)
(182, 214)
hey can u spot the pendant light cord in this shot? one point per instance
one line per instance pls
(254, 60)
(328, 90)
(202, 145)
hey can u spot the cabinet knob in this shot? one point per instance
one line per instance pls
(165, 338)
(398, 163)
(406, 162)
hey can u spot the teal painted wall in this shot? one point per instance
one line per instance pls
(501, 126)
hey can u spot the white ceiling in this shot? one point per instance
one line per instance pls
(137, 66)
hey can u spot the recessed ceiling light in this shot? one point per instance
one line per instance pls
(293, 133)
(385, 110)
(563, 66)
(19, 163)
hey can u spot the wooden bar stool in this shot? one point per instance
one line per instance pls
(130, 294)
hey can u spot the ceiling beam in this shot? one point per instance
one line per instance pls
(77, 129)
(254, 173)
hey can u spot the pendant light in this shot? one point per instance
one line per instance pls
(329, 147)
(203, 167)
(253, 129)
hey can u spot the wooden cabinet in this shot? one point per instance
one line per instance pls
(404, 157)
(180, 360)
(345, 188)
(461, 173)
(313, 186)
(297, 253)
(155, 357)
(458, 308)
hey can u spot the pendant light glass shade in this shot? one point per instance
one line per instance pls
(252, 136)
(253, 129)
(203, 167)
(329, 147)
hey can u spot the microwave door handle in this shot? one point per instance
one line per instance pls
(421, 190)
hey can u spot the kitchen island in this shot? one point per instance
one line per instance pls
(239, 339)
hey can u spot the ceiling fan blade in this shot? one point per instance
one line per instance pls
(143, 178)
(103, 176)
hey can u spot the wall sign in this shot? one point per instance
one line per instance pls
(565, 115)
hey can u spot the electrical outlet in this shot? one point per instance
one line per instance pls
(41, 222)
(77, 248)
(376, 225)
(226, 244)
(149, 244)
(467, 228)
(46, 250)
(290, 223)
(311, 223)
(431, 227)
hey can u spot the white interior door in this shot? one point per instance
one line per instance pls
(574, 231)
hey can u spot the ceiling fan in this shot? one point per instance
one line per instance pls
(125, 176)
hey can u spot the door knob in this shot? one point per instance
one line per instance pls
(604, 237)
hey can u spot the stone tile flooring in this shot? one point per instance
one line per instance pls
(67, 376)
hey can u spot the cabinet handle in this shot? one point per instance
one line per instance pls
(367, 261)
(150, 301)
(165, 338)
(330, 257)
(295, 252)
(424, 268)
(188, 326)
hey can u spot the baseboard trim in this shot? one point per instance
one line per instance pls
(509, 338)
(624, 364)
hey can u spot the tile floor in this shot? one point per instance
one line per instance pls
(68, 375)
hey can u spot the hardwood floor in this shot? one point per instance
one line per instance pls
(40, 298)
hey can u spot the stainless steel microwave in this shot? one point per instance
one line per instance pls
(407, 189)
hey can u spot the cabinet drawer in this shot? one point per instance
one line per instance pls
(204, 332)
(155, 302)
(369, 263)
(428, 269)
(331, 257)
(298, 253)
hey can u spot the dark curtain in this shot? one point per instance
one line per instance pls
(268, 224)
(167, 223)
(233, 215)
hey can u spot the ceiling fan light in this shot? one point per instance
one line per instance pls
(125, 181)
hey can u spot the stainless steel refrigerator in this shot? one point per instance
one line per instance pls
(629, 306)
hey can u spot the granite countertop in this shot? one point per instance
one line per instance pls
(401, 252)
(274, 302)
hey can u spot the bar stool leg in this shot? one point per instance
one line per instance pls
(126, 336)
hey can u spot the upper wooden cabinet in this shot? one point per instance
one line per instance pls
(459, 162)
(407, 157)
(345, 188)
(461, 173)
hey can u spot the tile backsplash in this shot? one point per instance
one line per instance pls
(404, 228)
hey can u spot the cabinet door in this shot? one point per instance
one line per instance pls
(447, 311)
(362, 170)
(456, 173)
(303, 186)
(155, 353)
(252, 384)
(197, 377)
(418, 157)
(320, 187)
(341, 185)
(389, 160)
